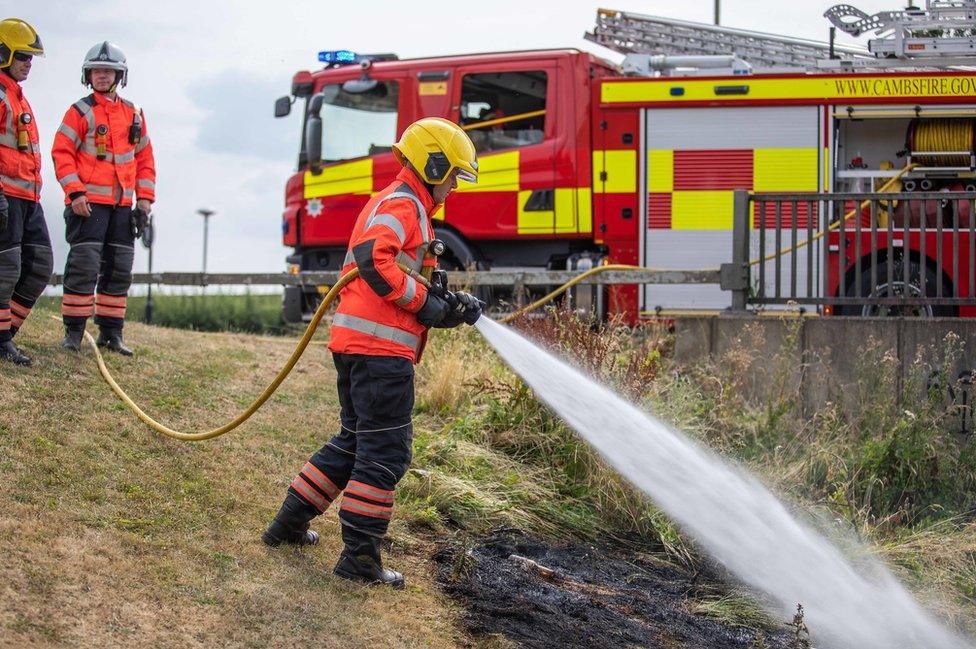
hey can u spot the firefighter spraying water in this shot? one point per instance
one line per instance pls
(390, 301)
(378, 333)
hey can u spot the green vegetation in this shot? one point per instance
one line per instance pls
(143, 538)
(215, 311)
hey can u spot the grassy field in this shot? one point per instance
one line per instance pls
(114, 535)
(250, 313)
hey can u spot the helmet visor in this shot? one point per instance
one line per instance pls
(466, 176)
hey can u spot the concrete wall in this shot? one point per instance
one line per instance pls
(834, 359)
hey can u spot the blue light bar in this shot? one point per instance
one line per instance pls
(338, 57)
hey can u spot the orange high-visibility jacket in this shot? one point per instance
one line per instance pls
(377, 310)
(20, 153)
(102, 150)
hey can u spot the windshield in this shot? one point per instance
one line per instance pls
(361, 123)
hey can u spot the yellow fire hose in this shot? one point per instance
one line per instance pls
(251, 409)
(330, 298)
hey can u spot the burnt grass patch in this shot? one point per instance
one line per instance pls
(538, 594)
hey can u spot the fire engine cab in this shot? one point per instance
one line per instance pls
(583, 162)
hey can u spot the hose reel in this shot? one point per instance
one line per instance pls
(942, 143)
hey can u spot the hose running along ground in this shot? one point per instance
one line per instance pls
(244, 416)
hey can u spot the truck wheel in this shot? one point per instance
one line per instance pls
(460, 257)
(291, 305)
(913, 288)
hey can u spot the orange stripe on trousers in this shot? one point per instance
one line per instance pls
(363, 509)
(316, 499)
(369, 491)
(321, 480)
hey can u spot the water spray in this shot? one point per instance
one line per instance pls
(730, 513)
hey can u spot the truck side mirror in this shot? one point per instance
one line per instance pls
(313, 134)
(283, 106)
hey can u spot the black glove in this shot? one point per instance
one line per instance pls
(464, 308)
(455, 311)
(138, 222)
(4, 212)
(471, 307)
(434, 310)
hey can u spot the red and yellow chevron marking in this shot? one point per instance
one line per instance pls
(693, 190)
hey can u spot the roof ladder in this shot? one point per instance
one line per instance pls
(632, 33)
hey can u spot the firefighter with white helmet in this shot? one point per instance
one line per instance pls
(25, 247)
(378, 333)
(103, 159)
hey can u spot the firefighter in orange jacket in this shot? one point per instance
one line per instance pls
(103, 159)
(378, 333)
(25, 247)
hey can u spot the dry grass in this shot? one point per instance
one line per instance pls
(112, 535)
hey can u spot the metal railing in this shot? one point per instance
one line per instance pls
(513, 278)
(857, 253)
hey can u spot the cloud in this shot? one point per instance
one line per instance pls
(239, 118)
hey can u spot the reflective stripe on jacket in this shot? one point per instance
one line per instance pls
(93, 153)
(376, 313)
(20, 168)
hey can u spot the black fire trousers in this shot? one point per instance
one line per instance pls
(372, 451)
(99, 269)
(26, 262)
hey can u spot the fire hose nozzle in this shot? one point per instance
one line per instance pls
(437, 247)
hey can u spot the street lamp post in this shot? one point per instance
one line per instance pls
(206, 214)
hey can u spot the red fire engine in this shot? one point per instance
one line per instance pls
(584, 162)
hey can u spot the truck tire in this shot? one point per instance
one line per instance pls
(461, 256)
(899, 287)
(291, 305)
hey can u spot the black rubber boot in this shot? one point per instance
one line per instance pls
(290, 525)
(360, 560)
(111, 339)
(9, 352)
(72, 339)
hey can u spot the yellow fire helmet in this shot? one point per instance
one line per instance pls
(436, 147)
(17, 36)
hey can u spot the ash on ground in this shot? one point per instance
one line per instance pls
(542, 595)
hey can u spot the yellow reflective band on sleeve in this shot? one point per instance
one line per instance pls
(620, 168)
(660, 170)
(784, 170)
(496, 173)
(701, 210)
(345, 178)
(813, 88)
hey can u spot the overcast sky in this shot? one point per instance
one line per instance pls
(207, 74)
